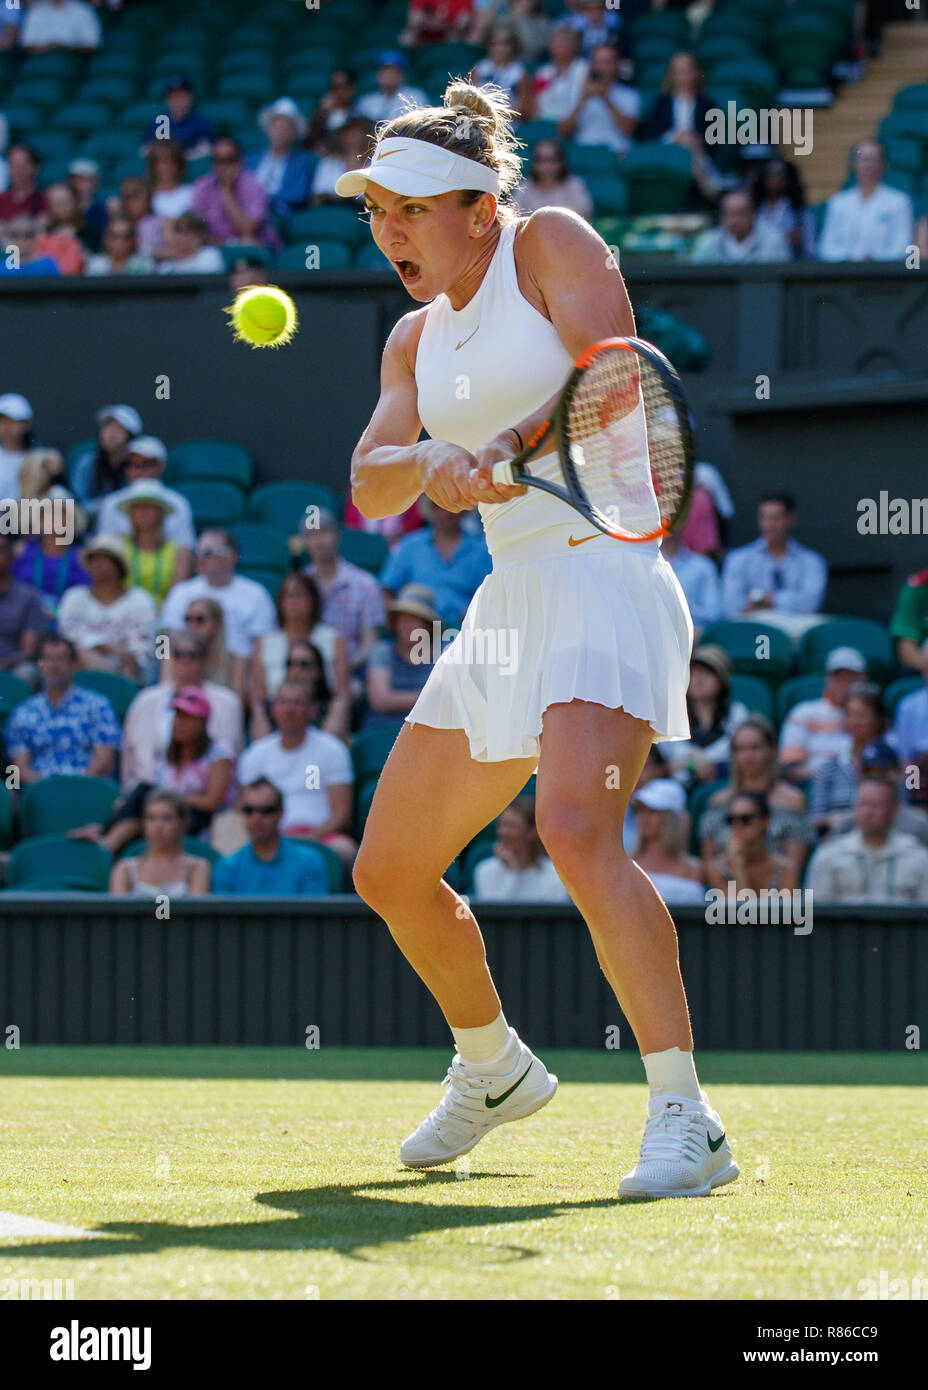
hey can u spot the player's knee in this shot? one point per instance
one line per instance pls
(569, 832)
(372, 878)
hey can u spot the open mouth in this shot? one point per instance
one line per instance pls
(409, 270)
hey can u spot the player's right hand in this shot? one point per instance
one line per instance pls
(448, 476)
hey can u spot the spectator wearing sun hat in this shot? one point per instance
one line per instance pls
(392, 94)
(398, 667)
(815, 730)
(713, 716)
(145, 461)
(99, 468)
(15, 429)
(662, 828)
(282, 168)
(155, 563)
(111, 625)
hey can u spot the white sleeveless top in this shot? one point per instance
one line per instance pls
(485, 367)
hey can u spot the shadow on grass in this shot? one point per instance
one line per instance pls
(342, 1219)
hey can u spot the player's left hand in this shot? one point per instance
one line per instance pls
(484, 488)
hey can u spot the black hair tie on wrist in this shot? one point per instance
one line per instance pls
(518, 436)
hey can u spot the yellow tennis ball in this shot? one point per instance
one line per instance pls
(264, 316)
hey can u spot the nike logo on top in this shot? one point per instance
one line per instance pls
(387, 153)
(571, 541)
(491, 1104)
(465, 340)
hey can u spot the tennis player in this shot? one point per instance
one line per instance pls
(602, 628)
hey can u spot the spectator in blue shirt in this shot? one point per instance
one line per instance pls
(269, 865)
(186, 125)
(283, 169)
(699, 580)
(910, 731)
(399, 667)
(774, 571)
(443, 558)
(18, 256)
(65, 729)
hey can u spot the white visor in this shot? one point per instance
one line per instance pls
(417, 169)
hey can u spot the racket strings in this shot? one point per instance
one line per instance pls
(625, 444)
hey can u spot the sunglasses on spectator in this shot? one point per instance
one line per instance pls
(260, 810)
(299, 661)
(209, 552)
(741, 820)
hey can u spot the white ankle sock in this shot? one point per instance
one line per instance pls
(672, 1073)
(490, 1048)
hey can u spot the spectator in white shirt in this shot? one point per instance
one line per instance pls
(15, 432)
(870, 222)
(350, 146)
(699, 580)
(247, 606)
(503, 66)
(392, 95)
(874, 863)
(739, 238)
(773, 572)
(145, 461)
(111, 623)
(662, 825)
(559, 83)
(518, 871)
(607, 111)
(816, 730)
(312, 769)
(910, 731)
(60, 24)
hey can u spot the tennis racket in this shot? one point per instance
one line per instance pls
(624, 444)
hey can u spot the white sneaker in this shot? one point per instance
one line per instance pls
(473, 1105)
(684, 1152)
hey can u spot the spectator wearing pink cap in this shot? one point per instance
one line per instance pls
(662, 826)
(194, 766)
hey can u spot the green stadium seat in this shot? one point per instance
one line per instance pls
(319, 253)
(591, 159)
(119, 690)
(283, 505)
(370, 751)
(307, 87)
(213, 503)
(59, 64)
(51, 144)
(112, 144)
(133, 168)
(697, 805)
(739, 638)
(201, 848)
(316, 61)
(658, 178)
(261, 546)
(53, 171)
(533, 131)
(364, 795)
(803, 61)
(903, 180)
(610, 193)
(24, 120)
(870, 638)
(755, 77)
(244, 250)
(668, 25)
(255, 87)
(138, 116)
(6, 816)
(740, 22)
(212, 458)
(372, 258)
(796, 689)
(907, 156)
(333, 223)
(270, 579)
(228, 113)
(191, 61)
(905, 124)
(61, 803)
(897, 690)
(255, 55)
(40, 91)
(111, 91)
(13, 690)
(754, 694)
(914, 98)
(723, 48)
(364, 548)
(56, 864)
(81, 117)
(109, 64)
(653, 54)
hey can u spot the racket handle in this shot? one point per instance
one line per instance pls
(503, 474)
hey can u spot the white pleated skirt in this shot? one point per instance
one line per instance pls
(603, 621)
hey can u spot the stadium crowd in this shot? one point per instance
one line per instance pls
(614, 103)
(246, 715)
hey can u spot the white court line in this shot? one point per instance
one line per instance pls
(12, 1224)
